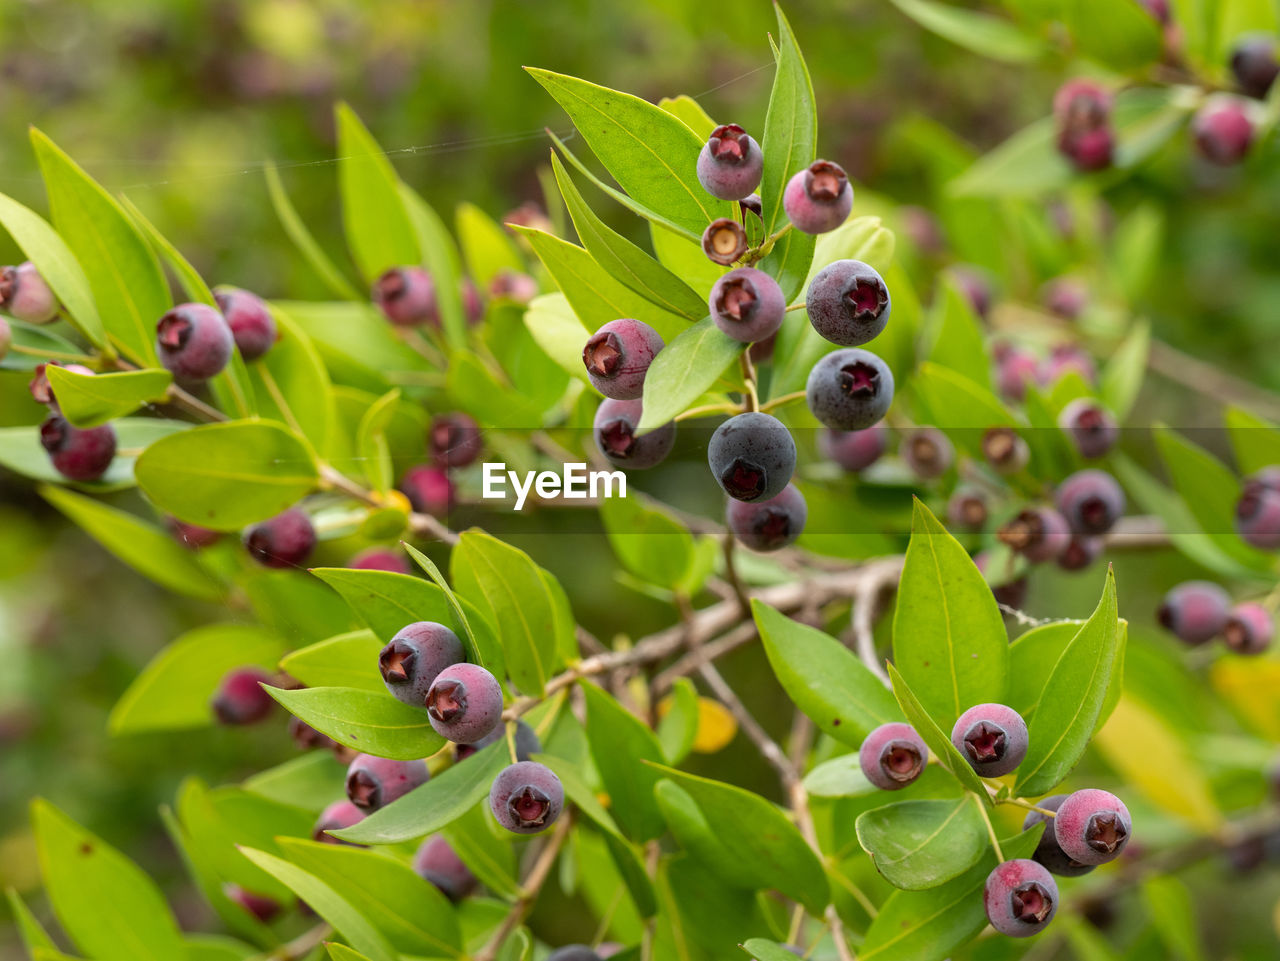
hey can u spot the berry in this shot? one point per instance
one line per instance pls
(1090, 426)
(527, 742)
(1158, 9)
(526, 797)
(967, 509)
(1195, 611)
(752, 456)
(25, 296)
(374, 782)
(854, 450)
(752, 205)
(307, 738)
(1005, 450)
(415, 656)
(1015, 369)
(730, 164)
(379, 559)
(1047, 852)
(849, 389)
(194, 342)
(40, 388)
(1091, 501)
(6, 337)
(748, 305)
(464, 703)
(1080, 552)
(472, 303)
(252, 326)
(240, 697)
(975, 285)
(1248, 629)
(770, 524)
(818, 199)
(429, 489)
(724, 241)
(1082, 110)
(848, 303)
(259, 905)
(1065, 297)
(573, 952)
(338, 815)
(1092, 826)
(509, 285)
(1037, 533)
(436, 861)
(407, 297)
(762, 350)
(78, 455)
(992, 738)
(615, 433)
(1223, 131)
(618, 355)
(1020, 898)
(1258, 511)
(192, 536)
(454, 440)
(285, 540)
(928, 452)
(1254, 64)
(1062, 360)
(923, 230)
(892, 756)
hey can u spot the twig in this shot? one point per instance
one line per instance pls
(302, 945)
(420, 524)
(731, 572)
(804, 821)
(1206, 378)
(880, 574)
(706, 410)
(744, 633)
(783, 401)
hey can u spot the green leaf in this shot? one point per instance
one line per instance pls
(471, 638)
(443, 262)
(29, 930)
(932, 735)
(174, 689)
(1124, 372)
(1027, 164)
(964, 406)
(958, 340)
(1146, 118)
(577, 791)
(308, 782)
(1254, 441)
(979, 32)
(839, 777)
(109, 908)
(506, 581)
(824, 678)
(121, 269)
(678, 728)
(1132, 39)
(474, 838)
(346, 660)
(649, 152)
(150, 551)
(1137, 247)
(763, 950)
(57, 264)
(1173, 915)
(43, 344)
(371, 441)
(292, 384)
(302, 239)
(372, 722)
(379, 232)
(340, 952)
(90, 400)
(684, 370)
(691, 112)
(21, 452)
(649, 542)
(345, 917)
(918, 845)
(1067, 713)
(620, 741)
(439, 802)
(224, 476)
(913, 925)
(411, 913)
(768, 850)
(556, 329)
(486, 246)
(1033, 656)
(949, 640)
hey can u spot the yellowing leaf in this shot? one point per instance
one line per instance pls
(1252, 687)
(716, 727)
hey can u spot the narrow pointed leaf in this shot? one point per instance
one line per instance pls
(365, 720)
(684, 370)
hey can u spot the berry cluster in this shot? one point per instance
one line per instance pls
(1196, 612)
(1088, 828)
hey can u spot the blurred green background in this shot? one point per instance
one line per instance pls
(179, 103)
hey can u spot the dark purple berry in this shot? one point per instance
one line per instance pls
(892, 756)
(618, 355)
(1020, 898)
(770, 524)
(374, 782)
(975, 284)
(1064, 359)
(1195, 611)
(454, 440)
(1082, 110)
(1091, 501)
(379, 559)
(1015, 369)
(1037, 533)
(259, 905)
(1254, 64)
(526, 797)
(338, 815)
(928, 452)
(724, 241)
(849, 389)
(527, 742)
(1080, 552)
(1223, 131)
(192, 536)
(415, 656)
(436, 862)
(464, 703)
(1258, 513)
(472, 302)
(1005, 450)
(407, 297)
(752, 456)
(429, 489)
(1047, 852)
(285, 540)
(307, 738)
(25, 296)
(40, 388)
(992, 738)
(1090, 426)
(250, 320)
(1065, 297)
(818, 199)
(848, 303)
(854, 450)
(509, 285)
(78, 455)
(730, 164)
(1249, 629)
(748, 305)
(967, 509)
(1092, 826)
(615, 433)
(194, 342)
(240, 697)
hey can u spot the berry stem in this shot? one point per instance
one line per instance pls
(511, 742)
(731, 571)
(749, 376)
(52, 354)
(782, 401)
(991, 829)
(703, 411)
(800, 306)
(1017, 801)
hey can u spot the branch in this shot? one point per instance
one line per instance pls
(1189, 371)
(804, 821)
(880, 575)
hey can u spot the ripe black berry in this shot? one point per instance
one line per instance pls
(848, 303)
(752, 456)
(615, 434)
(78, 455)
(250, 320)
(194, 341)
(285, 540)
(771, 524)
(849, 389)
(748, 305)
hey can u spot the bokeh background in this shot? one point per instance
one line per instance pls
(178, 103)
